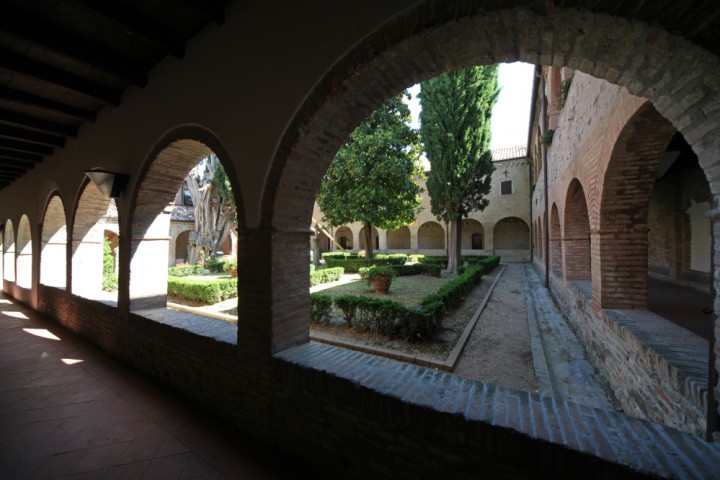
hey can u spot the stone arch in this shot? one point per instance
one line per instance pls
(181, 246)
(473, 235)
(53, 245)
(398, 239)
(9, 252)
(576, 234)
(344, 237)
(556, 259)
(375, 239)
(161, 177)
(511, 233)
(24, 252)
(620, 246)
(91, 215)
(431, 236)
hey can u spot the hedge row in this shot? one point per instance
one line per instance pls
(417, 269)
(443, 259)
(393, 319)
(352, 263)
(325, 275)
(186, 270)
(206, 291)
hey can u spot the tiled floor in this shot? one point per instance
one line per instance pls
(67, 410)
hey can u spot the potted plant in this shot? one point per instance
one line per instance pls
(379, 276)
(231, 267)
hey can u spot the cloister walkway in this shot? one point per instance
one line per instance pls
(68, 410)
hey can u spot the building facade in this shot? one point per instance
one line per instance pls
(503, 228)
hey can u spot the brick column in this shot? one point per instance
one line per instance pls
(273, 298)
(620, 264)
(148, 262)
(576, 258)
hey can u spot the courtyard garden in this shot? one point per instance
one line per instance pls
(423, 313)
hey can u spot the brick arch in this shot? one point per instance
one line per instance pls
(24, 254)
(555, 239)
(161, 177)
(434, 37)
(620, 245)
(9, 252)
(576, 234)
(53, 244)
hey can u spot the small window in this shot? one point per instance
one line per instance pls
(187, 198)
(506, 187)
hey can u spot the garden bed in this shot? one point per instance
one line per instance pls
(411, 290)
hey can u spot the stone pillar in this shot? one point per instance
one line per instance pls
(489, 229)
(382, 239)
(414, 240)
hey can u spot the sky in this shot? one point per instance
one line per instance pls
(511, 115)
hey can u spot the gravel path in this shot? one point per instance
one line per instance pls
(498, 350)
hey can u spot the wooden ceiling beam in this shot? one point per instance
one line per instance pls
(25, 146)
(44, 125)
(15, 155)
(138, 22)
(31, 68)
(31, 100)
(31, 136)
(51, 38)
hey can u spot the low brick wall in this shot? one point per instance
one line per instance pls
(658, 371)
(361, 416)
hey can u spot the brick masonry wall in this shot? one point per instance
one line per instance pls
(645, 383)
(366, 417)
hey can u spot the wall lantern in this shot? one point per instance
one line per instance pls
(110, 184)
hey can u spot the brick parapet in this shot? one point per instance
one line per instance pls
(658, 370)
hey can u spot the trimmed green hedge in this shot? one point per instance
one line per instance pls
(393, 319)
(443, 259)
(186, 270)
(417, 269)
(206, 291)
(325, 275)
(320, 307)
(352, 263)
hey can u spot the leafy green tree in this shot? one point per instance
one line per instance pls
(455, 129)
(373, 177)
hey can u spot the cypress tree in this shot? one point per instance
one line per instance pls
(455, 130)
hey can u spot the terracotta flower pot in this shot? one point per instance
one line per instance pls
(382, 285)
(233, 272)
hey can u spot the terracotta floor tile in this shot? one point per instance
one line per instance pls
(167, 468)
(130, 471)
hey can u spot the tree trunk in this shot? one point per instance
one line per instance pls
(368, 241)
(455, 246)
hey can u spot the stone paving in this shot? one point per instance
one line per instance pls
(560, 360)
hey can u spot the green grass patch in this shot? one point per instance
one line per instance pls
(409, 291)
